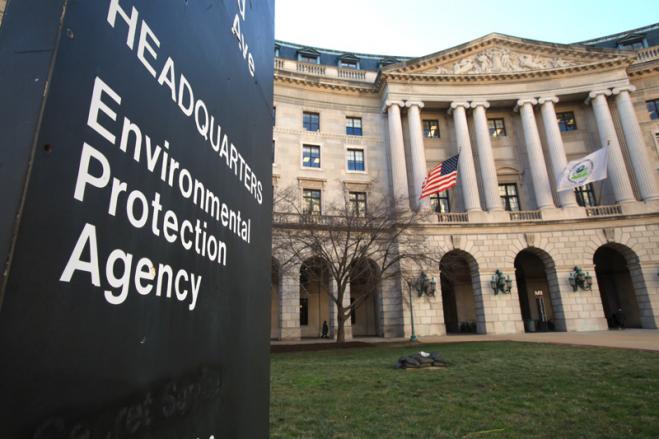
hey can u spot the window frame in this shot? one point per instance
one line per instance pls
(358, 202)
(320, 156)
(562, 120)
(496, 131)
(655, 103)
(505, 198)
(361, 126)
(589, 190)
(305, 204)
(306, 58)
(348, 64)
(310, 114)
(437, 201)
(348, 150)
(426, 132)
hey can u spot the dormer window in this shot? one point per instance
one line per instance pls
(349, 61)
(388, 61)
(633, 41)
(310, 56)
(276, 51)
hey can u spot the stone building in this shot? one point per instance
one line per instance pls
(517, 110)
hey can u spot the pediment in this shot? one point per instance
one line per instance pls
(497, 54)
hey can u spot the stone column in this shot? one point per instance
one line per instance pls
(555, 147)
(617, 172)
(541, 186)
(466, 171)
(397, 151)
(647, 184)
(486, 157)
(417, 151)
(289, 304)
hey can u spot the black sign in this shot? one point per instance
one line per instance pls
(135, 181)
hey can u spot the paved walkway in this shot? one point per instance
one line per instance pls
(645, 339)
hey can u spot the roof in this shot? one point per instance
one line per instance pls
(374, 62)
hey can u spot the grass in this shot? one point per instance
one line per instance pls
(490, 390)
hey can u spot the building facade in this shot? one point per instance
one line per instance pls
(517, 110)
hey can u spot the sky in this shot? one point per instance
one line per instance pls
(421, 27)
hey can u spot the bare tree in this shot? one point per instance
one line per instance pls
(349, 244)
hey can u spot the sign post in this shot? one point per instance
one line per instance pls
(135, 228)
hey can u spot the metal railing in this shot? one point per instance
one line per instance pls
(526, 215)
(611, 210)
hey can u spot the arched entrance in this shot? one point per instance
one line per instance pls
(274, 301)
(459, 283)
(541, 307)
(314, 298)
(363, 292)
(617, 289)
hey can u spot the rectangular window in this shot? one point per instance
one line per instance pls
(304, 311)
(509, 197)
(653, 108)
(311, 59)
(431, 129)
(348, 64)
(585, 195)
(311, 156)
(311, 121)
(353, 316)
(354, 126)
(273, 150)
(311, 200)
(566, 121)
(274, 116)
(440, 202)
(358, 203)
(497, 127)
(356, 160)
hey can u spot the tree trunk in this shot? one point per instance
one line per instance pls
(340, 319)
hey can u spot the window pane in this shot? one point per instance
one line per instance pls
(353, 126)
(355, 160)
(311, 156)
(653, 107)
(311, 121)
(431, 128)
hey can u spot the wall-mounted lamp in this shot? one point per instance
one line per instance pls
(501, 283)
(579, 279)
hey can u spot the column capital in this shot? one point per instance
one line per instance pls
(483, 104)
(593, 94)
(414, 103)
(543, 99)
(628, 88)
(389, 102)
(523, 101)
(456, 104)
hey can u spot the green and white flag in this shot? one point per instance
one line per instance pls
(585, 170)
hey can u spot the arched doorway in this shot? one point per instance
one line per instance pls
(314, 297)
(458, 277)
(616, 287)
(541, 310)
(363, 292)
(274, 301)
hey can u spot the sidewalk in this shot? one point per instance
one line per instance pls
(644, 339)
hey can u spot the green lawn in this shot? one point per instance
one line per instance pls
(489, 390)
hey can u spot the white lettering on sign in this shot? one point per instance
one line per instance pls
(117, 272)
(182, 92)
(242, 43)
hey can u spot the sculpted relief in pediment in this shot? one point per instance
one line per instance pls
(501, 60)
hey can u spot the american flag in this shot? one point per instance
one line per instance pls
(441, 177)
